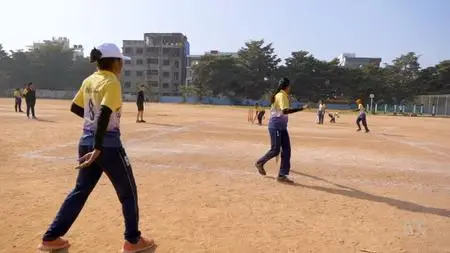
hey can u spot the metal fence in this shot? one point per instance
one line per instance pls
(435, 104)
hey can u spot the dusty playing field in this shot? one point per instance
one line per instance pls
(387, 191)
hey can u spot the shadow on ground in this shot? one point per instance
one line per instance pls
(162, 124)
(45, 120)
(152, 250)
(357, 194)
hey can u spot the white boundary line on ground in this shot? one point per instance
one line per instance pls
(38, 153)
(414, 144)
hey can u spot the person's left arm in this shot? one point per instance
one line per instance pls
(77, 106)
(284, 106)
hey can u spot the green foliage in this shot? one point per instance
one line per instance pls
(314, 79)
(252, 73)
(50, 66)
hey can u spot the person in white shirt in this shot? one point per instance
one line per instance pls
(321, 112)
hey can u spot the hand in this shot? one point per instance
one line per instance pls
(88, 159)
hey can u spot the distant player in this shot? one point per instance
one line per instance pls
(259, 114)
(361, 116)
(99, 102)
(321, 112)
(17, 100)
(30, 99)
(140, 105)
(333, 116)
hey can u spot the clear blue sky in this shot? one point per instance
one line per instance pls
(384, 28)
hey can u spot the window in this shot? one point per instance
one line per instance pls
(165, 85)
(175, 75)
(166, 62)
(127, 85)
(127, 73)
(139, 50)
(166, 94)
(152, 61)
(152, 50)
(177, 64)
(153, 83)
(166, 50)
(166, 74)
(127, 62)
(189, 82)
(139, 73)
(128, 50)
(139, 62)
(152, 72)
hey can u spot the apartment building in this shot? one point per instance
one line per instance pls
(193, 60)
(349, 60)
(133, 70)
(158, 61)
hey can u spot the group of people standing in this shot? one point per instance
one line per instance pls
(29, 94)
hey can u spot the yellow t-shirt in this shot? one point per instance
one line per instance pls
(100, 88)
(361, 109)
(278, 119)
(17, 94)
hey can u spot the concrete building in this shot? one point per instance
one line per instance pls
(193, 60)
(134, 71)
(78, 51)
(349, 60)
(158, 61)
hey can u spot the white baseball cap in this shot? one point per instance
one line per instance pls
(110, 50)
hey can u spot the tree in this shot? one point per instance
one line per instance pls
(220, 75)
(258, 61)
(4, 73)
(443, 71)
(403, 72)
(51, 65)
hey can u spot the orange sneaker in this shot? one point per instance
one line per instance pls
(142, 244)
(57, 244)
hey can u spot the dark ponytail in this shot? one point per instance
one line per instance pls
(96, 55)
(272, 98)
(282, 84)
(105, 63)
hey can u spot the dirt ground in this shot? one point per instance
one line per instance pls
(386, 191)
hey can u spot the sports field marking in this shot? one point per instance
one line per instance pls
(417, 144)
(39, 153)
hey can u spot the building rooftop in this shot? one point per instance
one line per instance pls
(133, 42)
